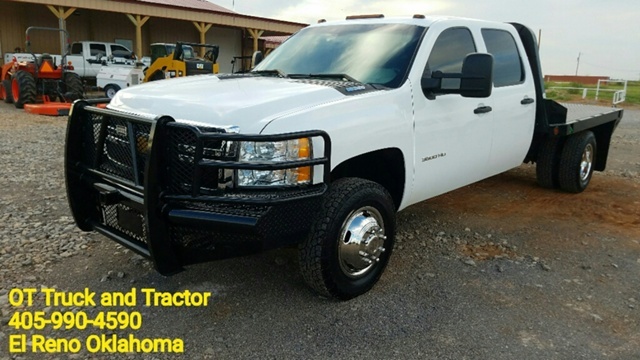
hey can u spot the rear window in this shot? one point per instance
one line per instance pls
(507, 65)
(76, 49)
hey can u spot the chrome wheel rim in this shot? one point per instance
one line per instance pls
(361, 242)
(586, 163)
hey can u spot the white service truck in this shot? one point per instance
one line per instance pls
(320, 145)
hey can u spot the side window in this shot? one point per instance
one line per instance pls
(448, 53)
(76, 49)
(507, 65)
(120, 51)
(98, 49)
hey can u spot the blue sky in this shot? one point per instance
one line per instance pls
(605, 33)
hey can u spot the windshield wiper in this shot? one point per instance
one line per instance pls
(271, 72)
(341, 77)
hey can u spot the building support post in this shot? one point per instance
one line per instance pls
(202, 28)
(138, 21)
(255, 34)
(62, 16)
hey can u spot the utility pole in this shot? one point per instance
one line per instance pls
(539, 38)
(578, 66)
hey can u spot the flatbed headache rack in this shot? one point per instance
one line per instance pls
(161, 187)
(555, 120)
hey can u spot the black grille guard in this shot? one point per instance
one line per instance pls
(124, 172)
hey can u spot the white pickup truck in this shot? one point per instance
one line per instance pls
(320, 145)
(86, 57)
(89, 56)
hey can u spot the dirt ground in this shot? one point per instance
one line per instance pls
(501, 269)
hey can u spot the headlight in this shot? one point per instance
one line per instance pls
(279, 151)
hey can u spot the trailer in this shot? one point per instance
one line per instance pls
(112, 78)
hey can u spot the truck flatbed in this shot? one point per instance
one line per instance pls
(579, 112)
(581, 117)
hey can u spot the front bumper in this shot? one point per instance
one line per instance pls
(164, 189)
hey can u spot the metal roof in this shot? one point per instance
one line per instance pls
(271, 42)
(189, 10)
(190, 4)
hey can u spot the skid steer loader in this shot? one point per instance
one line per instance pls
(179, 59)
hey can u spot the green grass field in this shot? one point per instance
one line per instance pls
(604, 98)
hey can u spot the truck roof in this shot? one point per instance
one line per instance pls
(419, 20)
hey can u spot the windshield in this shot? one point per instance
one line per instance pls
(186, 50)
(370, 53)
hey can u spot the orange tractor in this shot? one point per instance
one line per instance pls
(39, 79)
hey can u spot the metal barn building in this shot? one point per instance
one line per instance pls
(137, 24)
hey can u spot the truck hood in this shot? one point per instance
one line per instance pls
(249, 102)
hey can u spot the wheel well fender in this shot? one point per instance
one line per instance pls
(385, 166)
(603, 134)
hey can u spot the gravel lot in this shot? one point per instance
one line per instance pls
(498, 270)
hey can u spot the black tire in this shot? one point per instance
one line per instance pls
(325, 256)
(23, 89)
(7, 96)
(111, 90)
(73, 86)
(577, 162)
(548, 163)
(157, 75)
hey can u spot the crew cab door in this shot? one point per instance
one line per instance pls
(452, 133)
(513, 96)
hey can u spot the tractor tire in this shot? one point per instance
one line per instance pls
(5, 89)
(351, 240)
(548, 163)
(73, 86)
(577, 162)
(23, 88)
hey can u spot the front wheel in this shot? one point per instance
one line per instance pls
(157, 75)
(23, 89)
(577, 161)
(5, 91)
(351, 240)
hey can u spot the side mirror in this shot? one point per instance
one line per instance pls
(476, 79)
(256, 59)
(477, 76)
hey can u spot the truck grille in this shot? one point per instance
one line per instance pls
(183, 158)
(120, 148)
(123, 151)
(124, 147)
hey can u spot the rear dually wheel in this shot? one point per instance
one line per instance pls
(577, 162)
